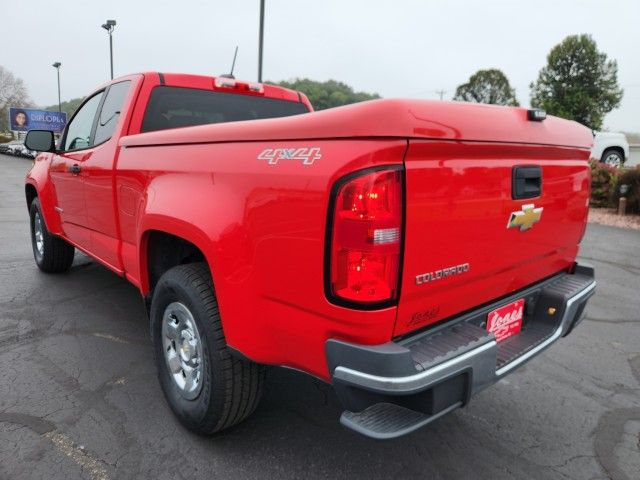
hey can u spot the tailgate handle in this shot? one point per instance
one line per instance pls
(526, 182)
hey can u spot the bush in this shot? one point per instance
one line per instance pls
(604, 179)
(5, 138)
(630, 177)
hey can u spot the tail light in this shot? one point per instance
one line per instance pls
(365, 234)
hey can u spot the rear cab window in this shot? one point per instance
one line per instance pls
(176, 107)
(110, 111)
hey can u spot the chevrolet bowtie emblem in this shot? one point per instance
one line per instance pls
(525, 218)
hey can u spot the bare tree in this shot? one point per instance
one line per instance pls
(13, 92)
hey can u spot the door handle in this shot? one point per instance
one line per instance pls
(75, 169)
(526, 182)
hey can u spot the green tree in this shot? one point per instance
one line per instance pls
(578, 82)
(68, 107)
(327, 94)
(13, 93)
(487, 86)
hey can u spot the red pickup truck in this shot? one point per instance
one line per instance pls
(408, 252)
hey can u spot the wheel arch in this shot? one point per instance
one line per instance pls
(162, 248)
(38, 185)
(614, 148)
(30, 193)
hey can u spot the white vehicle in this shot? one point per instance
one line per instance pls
(610, 148)
(15, 147)
(18, 149)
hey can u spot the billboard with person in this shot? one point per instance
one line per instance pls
(24, 119)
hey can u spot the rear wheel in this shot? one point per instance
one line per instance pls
(51, 253)
(207, 388)
(613, 158)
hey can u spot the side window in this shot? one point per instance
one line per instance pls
(111, 111)
(78, 134)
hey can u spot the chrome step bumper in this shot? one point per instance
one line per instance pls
(392, 389)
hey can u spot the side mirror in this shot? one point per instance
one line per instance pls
(40, 141)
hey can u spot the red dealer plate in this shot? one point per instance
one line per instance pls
(506, 321)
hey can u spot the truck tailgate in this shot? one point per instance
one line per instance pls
(459, 249)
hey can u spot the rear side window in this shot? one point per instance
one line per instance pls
(110, 112)
(174, 107)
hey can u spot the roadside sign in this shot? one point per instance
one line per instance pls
(24, 119)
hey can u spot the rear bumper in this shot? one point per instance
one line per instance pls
(392, 389)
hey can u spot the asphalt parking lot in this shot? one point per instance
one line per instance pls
(79, 396)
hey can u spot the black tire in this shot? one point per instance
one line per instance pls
(55, 255)
(612, 157)
(231, 387)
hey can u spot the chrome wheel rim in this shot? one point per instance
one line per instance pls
(38, 234)
(613, 159)
(182, 349)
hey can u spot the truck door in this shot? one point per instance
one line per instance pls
(98, 175)
(67, 176)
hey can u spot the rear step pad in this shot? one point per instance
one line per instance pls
(446, 344)
(527, 340)
(384, 420)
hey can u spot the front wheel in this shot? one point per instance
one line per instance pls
(51, 253)
(207, 388)
(613, 158)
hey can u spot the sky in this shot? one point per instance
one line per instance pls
(401, 48)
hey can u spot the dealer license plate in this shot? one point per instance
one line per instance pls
(506, 321)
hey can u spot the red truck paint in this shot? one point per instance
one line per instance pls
(262, 226)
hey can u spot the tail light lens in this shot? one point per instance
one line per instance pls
(366, 235)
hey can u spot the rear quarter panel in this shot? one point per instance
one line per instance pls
(261, 227)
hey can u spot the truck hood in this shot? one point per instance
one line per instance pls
(610, 134)
(387, 118)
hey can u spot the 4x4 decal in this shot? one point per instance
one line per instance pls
(307, 155)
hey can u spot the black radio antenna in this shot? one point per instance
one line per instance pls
(233, 64)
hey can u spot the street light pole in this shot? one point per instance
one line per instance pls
(57, 67)
(109, 27)
(261, 41)
(111, 53)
